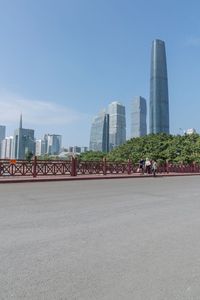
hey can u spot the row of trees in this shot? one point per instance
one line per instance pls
(161, 147)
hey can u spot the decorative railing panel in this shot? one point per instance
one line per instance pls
(20, 168)
(90, 167)
(117, 168)
(53, 168)
(74, 167)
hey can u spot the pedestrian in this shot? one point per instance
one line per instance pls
(141, 166)
(154, 167)
(147, 166)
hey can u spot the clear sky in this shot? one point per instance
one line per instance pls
(62, 61)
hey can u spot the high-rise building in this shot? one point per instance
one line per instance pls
(3, 149)
(77, 149)
(117, 131)
(138, 117)
(53, 144)
(2, 132)
(99, 135)
(84, 149)
(23, 142)
(6, 147)
(159, 103)
(39, 147)
(71, 149)
(2, 135)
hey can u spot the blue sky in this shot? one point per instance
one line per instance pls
(62, 61)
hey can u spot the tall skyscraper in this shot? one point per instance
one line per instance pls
(53, 143)
(6, 147)
(138, 117)
(39, 147)
(117, 131)
(2, 132)
(2, 135)
(159, 103)
(23, 142)
(99, 135)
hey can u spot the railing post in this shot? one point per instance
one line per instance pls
(74, 166)
(104, 166)
(129, 166)
(35, 166)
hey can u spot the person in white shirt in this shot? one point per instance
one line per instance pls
(147, 166)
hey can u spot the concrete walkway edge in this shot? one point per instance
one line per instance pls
(20, 179)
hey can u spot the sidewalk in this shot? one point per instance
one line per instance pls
(18, 179)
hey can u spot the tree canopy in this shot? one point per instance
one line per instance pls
(161, 147)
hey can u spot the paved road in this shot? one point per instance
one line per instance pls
(112, 239)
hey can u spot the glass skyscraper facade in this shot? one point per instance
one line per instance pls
(53, 144)
(138, 117)
(2, 132)
(2, 135)
(159, 102)
(117, 131)
(23, 142)
(99, 136)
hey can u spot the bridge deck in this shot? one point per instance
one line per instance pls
(101, 239)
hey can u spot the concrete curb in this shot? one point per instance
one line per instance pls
(87, 177)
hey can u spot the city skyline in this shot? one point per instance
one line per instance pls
(24, 143)
(58, 70)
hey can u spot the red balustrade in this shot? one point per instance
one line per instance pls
(74, 167)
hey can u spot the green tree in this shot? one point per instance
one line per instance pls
(28, 155)
(161, 147)
(92, 156)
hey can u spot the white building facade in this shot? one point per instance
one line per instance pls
(7, 148)
(39, 147)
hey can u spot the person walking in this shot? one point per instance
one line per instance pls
(147, 166)
(141, 166)
(154, 167)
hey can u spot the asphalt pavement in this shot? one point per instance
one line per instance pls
(101, 239)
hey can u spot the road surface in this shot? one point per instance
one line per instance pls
(101, 239)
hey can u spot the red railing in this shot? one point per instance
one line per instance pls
(35, 167)
(74, 167)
